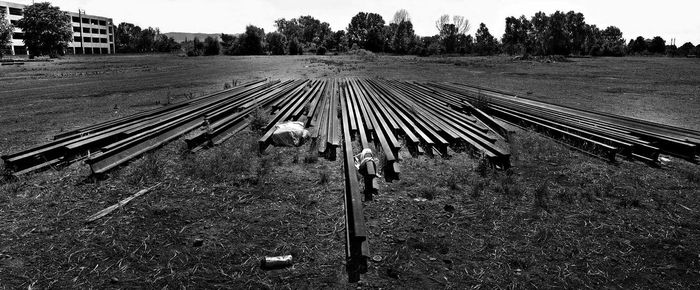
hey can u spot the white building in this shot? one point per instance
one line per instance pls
(91, 34)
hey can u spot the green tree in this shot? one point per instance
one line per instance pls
(306, 29)
(5, 33)
(146, 39)
(612, 42)
(515, 38)
(539, 33)
(276, 43)
(686, 49)
(638, 45)
(576, 29)
(465, 44)
(252, 41)
(657, 45)
(449, 31)
(47, 29)
(403, 37)
(486, 44)
(229, 44)
(127, 37)
(211, 46)
(591, 42)
(558, 37)
(295, 48)
(367, 31)
(164, 43)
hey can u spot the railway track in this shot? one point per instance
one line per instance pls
(355, 114)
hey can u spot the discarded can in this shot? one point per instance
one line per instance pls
(276, 262)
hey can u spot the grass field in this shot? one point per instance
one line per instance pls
(558, 218)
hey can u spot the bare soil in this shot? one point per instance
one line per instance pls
(559, 218)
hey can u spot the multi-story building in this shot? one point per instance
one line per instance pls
(91, 34)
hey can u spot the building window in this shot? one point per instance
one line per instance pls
(103, 31)
(95, 31)
(103, 23)
(2, 9)
(110, 30)
(103, 40)
(86, 20)
(87, 39)
(76, 19)
(95, 40)
(76, 38)
(18, 35)
(76, 29)
(86, 30)
(111, 38)
(94, 21)
(13, 22)
(16, 11)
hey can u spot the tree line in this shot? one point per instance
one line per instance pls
(47, 31)
(542, 34)
(132, 38)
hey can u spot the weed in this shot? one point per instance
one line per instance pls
(311, 159)
(323, 177)
(145, 170)
(542, 197)
(457, 177)
(258, 121)
(603, 189)
(381, 165)
(232, 161)
(9, 189)
(183, 151)
(453, 183)
(428, 192)
(692, 177)
(483, 167)
(263, 168)
(509, 187)
(227, 86)
(480, 102)
(478, 188)
(586, 194)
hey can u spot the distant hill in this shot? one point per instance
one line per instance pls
(181, 36)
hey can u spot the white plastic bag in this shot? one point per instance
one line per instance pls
(290, 134)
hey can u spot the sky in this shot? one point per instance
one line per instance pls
(669, 19)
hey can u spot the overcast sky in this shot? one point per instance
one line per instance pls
(669, 19)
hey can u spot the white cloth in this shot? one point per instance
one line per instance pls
(290, 134)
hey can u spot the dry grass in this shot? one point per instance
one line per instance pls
(549, 221)
(558, 219)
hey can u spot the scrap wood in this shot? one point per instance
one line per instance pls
(119, 204)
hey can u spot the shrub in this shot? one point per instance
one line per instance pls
(258, 121)
(321, 50)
